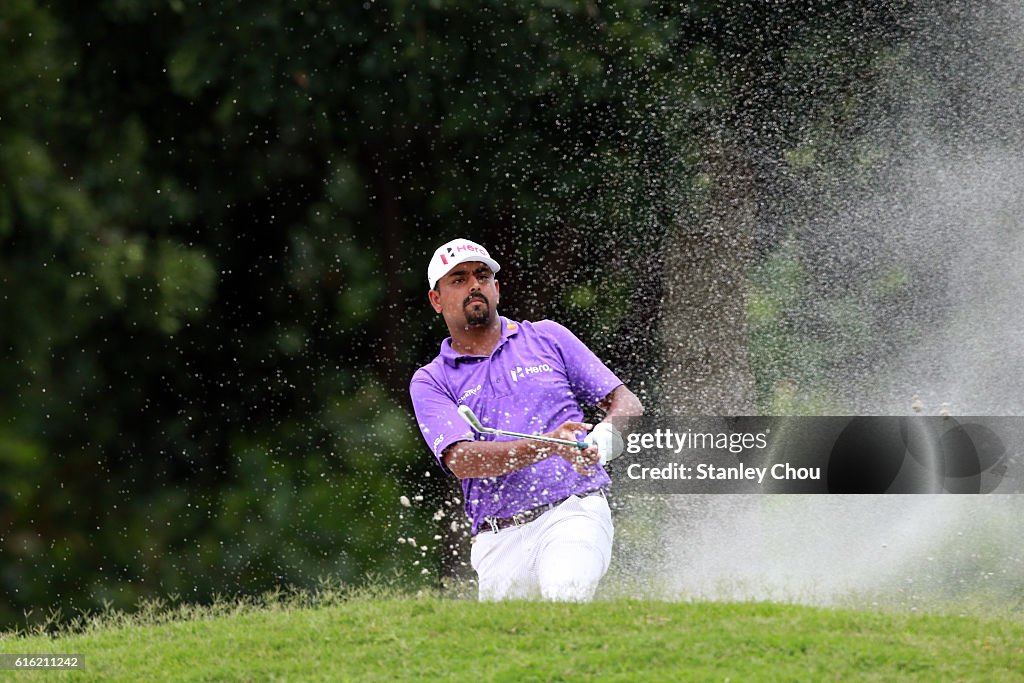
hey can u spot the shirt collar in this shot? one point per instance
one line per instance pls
(450, 357)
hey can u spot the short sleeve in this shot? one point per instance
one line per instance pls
(437, 415)
(589, 378)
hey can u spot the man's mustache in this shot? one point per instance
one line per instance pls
(475, 295)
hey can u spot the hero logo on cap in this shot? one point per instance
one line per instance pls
(452, 254)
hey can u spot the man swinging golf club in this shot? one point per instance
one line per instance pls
(540, 520)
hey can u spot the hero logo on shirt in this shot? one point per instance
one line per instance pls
(519, 372)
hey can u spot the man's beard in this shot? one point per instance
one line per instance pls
(477, 317)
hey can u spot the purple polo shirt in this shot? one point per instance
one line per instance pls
(534, 380)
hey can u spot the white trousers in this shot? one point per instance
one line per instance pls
(559, 556)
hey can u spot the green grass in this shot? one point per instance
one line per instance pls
(386, 638)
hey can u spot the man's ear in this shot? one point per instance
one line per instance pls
(435, 300)
(497, 293)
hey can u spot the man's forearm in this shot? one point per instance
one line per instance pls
(476, 459)
(622, 404)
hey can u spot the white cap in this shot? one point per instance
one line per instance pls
(452, 254)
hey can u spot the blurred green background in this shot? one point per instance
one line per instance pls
(214, 224)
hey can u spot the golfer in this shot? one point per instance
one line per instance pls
(540, 521)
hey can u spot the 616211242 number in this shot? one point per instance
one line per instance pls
(20, 662)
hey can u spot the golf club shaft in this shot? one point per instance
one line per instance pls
(538, 437)
(473, 421)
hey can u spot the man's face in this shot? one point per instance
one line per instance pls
(467, 295)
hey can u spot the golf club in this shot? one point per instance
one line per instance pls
(473, 421)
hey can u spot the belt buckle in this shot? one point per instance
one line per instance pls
(518, 519)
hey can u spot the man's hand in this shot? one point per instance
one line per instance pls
(582, 460)
(607, 440)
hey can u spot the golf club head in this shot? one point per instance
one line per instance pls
(471, 419)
